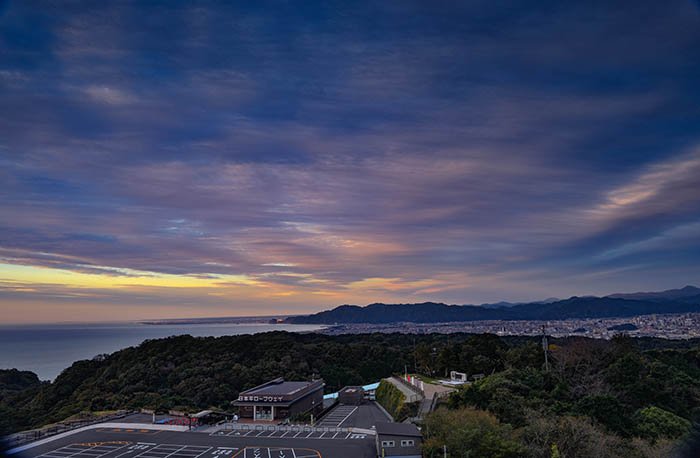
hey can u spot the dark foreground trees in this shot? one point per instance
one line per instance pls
(468, 433)
(598, 399)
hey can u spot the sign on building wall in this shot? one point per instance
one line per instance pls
(261, 398)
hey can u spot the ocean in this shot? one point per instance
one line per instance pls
(49, 349)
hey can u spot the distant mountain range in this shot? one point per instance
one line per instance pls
(682, 300)
(670, 294)
(502, 304)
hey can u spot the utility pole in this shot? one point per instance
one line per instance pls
(545, 348)
(313, 409)
(444, 451)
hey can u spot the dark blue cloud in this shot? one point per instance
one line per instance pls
(417, 140)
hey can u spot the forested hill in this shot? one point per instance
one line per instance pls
(13, 381)
(193, 373)
(431, 312)
(617, 391)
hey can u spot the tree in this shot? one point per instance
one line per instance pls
(655, 423)
(608, 411)
(469, 433)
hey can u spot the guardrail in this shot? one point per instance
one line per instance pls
(411, 387)
(106, 425)
(437, 397)
(24, 437)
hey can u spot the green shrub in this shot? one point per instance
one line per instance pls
(655, 423)
(391, 398)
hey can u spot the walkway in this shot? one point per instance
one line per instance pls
(411, 395)
(432, 392)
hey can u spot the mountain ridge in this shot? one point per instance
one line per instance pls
(669, 294)
(573, 307)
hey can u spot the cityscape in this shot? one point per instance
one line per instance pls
(671, 326)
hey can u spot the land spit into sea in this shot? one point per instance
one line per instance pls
(49, 349)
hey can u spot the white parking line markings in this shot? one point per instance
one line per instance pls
(79, 450)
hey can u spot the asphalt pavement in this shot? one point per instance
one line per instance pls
(365, 416)
(137, 443)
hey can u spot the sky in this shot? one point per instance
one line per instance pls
(183, 159)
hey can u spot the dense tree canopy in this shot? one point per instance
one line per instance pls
(597, 399)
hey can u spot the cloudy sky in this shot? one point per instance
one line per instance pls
(178, 159)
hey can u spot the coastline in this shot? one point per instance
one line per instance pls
(47, 350)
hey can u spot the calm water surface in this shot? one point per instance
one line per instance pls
(48, 349)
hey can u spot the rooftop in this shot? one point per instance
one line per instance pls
(398, 429)
(279, 387)
(351, 389)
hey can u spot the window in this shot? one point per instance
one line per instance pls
(388, 444)
(407, 443)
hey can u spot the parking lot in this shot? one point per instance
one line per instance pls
(336, 417)
(142, 450)
(86, 450)
(170, 451)
(272, 452)
(132, 443)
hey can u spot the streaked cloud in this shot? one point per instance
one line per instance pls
(248, 159)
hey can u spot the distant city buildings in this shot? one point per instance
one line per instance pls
(668, 326)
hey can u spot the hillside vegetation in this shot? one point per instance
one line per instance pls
(394, 401)
(614, 398)
(599, 399)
